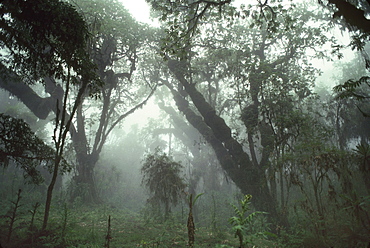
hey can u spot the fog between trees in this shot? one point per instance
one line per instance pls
(222, 118)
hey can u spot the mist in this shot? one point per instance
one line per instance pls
(184, 124)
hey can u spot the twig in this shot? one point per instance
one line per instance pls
(108, 237)
(14, 214)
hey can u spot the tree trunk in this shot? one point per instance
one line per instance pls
(85, 186)
(84, 182)
(49, 195)
(233, 159)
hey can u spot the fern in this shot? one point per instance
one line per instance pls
(242, 220)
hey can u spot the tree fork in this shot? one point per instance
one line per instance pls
(237, 174)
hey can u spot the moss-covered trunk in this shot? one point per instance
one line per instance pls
(234, 160)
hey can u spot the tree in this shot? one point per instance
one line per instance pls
(21, 147)
(357, 90)
(115, 48)
(253, 67)
(352, 16)
(350, 103)
(41, 38)
(182, 20)
(39, 44)
(161, 176)
(195, 14)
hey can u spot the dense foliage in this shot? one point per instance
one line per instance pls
(20, 146)
(40, 38)
(161, 176)
(234, 93)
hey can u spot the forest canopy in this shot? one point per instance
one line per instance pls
(246, 141)
(42, 38)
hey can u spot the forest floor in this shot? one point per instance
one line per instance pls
(89, 228)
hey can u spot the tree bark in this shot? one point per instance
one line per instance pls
(233, 159)
(40, 107)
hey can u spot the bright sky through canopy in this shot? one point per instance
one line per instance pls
(139, 9)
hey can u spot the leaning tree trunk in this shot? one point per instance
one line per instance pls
(234, 160)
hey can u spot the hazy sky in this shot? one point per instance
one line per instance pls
(139, 9)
